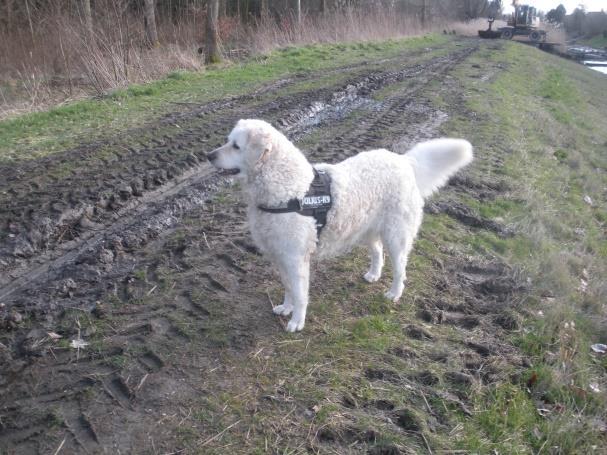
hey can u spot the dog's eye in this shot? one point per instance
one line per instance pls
(235, 145)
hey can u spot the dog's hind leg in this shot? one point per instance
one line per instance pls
(376, 251)
(398, 236)
(398, 250)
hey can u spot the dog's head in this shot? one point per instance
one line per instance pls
(248, 146)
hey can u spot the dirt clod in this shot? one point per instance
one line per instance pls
(67, 287)
(425, 315)
(384, 449)
(403, 352)
(15, 317)
(418, 333)
(461, 320)
(458, 377)
(350, 401)
(5, 355)
(427, 377)
(407, 420)
(483, 349)
(382, 374)
(125, 191)
(106, 256)
(508, 321)
(383, 405)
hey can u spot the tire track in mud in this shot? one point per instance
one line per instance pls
(126, 262)
(31, 231)
(384, 127)
(47, 199)
(140, 346)
(57, 198)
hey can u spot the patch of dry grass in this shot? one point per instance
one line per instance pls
(57, 61)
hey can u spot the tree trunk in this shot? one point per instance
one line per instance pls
(213, 55)
(323, 6)
(424, 13)
(298, 12)
(9, 14)
(29, 20)
(150, 22)
(264, 8)
(88, 17)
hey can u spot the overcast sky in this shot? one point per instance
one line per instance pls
(570, 5)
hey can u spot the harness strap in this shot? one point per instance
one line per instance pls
(317, 201)
(292, 206)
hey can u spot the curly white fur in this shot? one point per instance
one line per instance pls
(378, 197)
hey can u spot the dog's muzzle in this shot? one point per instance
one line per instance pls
(212, 156)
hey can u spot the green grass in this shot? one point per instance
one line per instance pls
(38, 134)
(548, 122)
(597, 41)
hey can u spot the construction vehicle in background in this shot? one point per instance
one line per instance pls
(524, 22)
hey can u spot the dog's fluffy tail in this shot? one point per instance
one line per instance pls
(436, 160)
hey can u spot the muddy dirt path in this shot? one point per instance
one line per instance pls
(56, 207)
(136, 247)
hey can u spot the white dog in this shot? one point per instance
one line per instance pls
(376, 199)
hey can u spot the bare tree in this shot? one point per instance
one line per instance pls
(424, 15)
(475, 8)
(88, 17)
(298, 11)
(29, 19)
(212, 55)
(150, 22)
(8, 14)
(323, 6)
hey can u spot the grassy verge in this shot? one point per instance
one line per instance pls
(38, 134)
(545, 124)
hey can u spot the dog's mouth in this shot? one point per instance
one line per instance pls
(229, 171)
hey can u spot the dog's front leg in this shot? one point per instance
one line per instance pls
(287, 304)
(295, 272)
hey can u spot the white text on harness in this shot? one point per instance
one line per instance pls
(315, 201)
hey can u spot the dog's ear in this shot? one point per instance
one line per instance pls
(260, 146)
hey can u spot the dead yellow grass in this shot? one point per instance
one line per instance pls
(60, 62)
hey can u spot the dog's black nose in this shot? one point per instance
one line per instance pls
(212, 156)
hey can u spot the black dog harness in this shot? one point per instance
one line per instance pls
(316, 202)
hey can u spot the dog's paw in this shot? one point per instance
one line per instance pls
(393, 296)
(295, 325)
(284, 310)
(371, 277)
